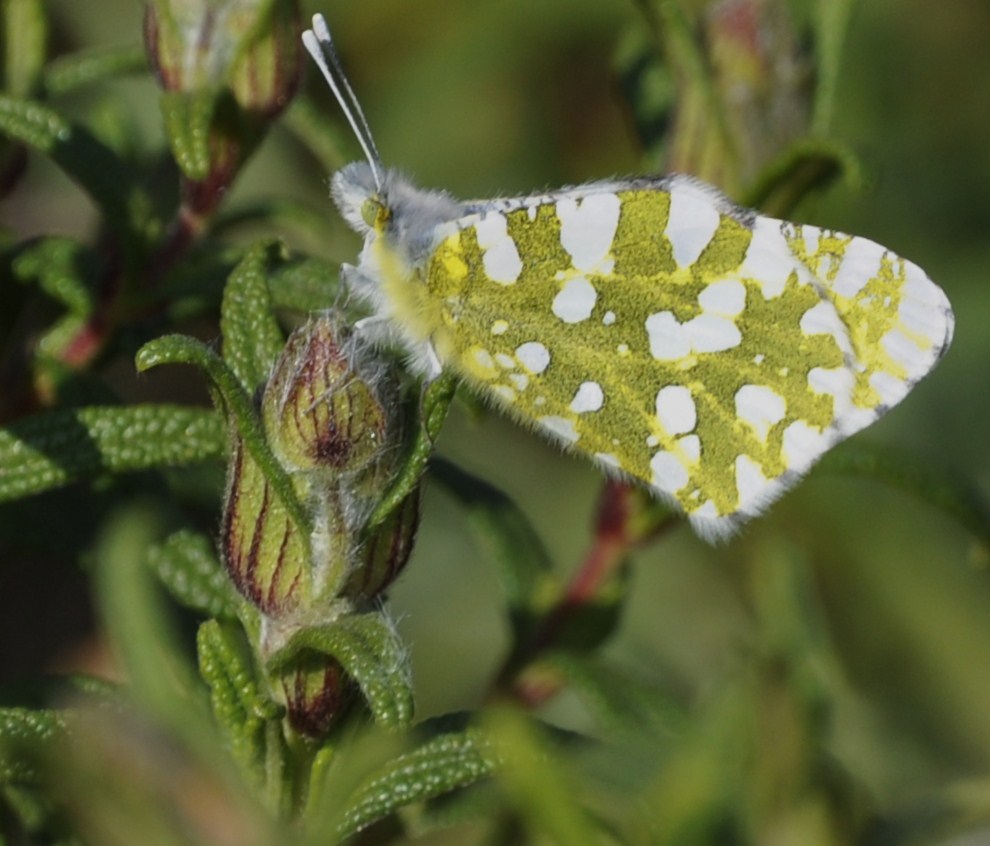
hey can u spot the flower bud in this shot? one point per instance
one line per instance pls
(385, 552)
(266, 556)
(322, 408)
(228, 68)
(316, 692)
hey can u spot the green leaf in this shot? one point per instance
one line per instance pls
(276, 213)
(58, 447)
(179, 349)
(23, 734)
(443, 764)
(252, 339)
(369, 650)
(831, 26)
(187, 116)
(239, 706)
(139, 628)
(25, 31)
(937, 486)
(62, 268)
(523, 560)
(307, 285)
(86, 160)
(324, 137)
(540, 787)
(434, 403)
(187, 565)
(805, 167)
(619, 701)
(68, 73)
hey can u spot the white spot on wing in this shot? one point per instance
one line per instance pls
(768, 260)
(669, 474)
(575, 301)
(560, 427)
(587, 229)
(670, 340)
(533, 356)
(676, 410)
(501, 258)
(504, 392)
(760, 408)
(692, 222)
(823, 319)
(751, 484)
(726, 298)
(589, 397)
(802, 445)
(861, 262)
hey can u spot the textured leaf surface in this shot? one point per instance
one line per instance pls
(59, 447)
(252, 339)
(23, 734)
(187, 565)
(238, 705)
(439, 766)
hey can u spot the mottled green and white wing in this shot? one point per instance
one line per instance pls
(709, 352)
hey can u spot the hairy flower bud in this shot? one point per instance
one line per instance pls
(266, 556)
(321, 408)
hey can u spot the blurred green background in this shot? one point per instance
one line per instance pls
(487, 98)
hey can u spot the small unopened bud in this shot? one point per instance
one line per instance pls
(321, 408)
(228, 67)
(316, 691)
(385, 552)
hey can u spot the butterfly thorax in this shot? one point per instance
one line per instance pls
(401, 226)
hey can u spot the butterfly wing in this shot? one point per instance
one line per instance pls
(704, 350)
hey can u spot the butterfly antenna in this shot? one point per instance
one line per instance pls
(320, 46)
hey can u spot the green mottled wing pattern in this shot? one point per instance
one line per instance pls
(704, 350)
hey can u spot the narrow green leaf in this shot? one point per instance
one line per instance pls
(537, 783)
(619, 701)
(179, 349)
(23, 734)
(312, 124)
(238, 705)
(58, 447)
(502, 526)
(831, 26)
(67, 73)
(805, 167)
(369, 650)
(307, 285)
(139, 627)
(252, 339)
(62, 268)
(276, 214)
(441, 765)
(86, 160)
(187, 565)
(937, 486)
(187, 116)
(434, 403)
(24, 32)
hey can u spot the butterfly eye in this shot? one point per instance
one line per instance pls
(374, 213)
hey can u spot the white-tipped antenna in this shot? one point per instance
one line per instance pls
(320, 46)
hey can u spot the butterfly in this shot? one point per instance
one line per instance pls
(695, 347)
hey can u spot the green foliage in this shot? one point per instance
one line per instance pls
(733, 704)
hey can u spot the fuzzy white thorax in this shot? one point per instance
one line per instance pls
(395, 252)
